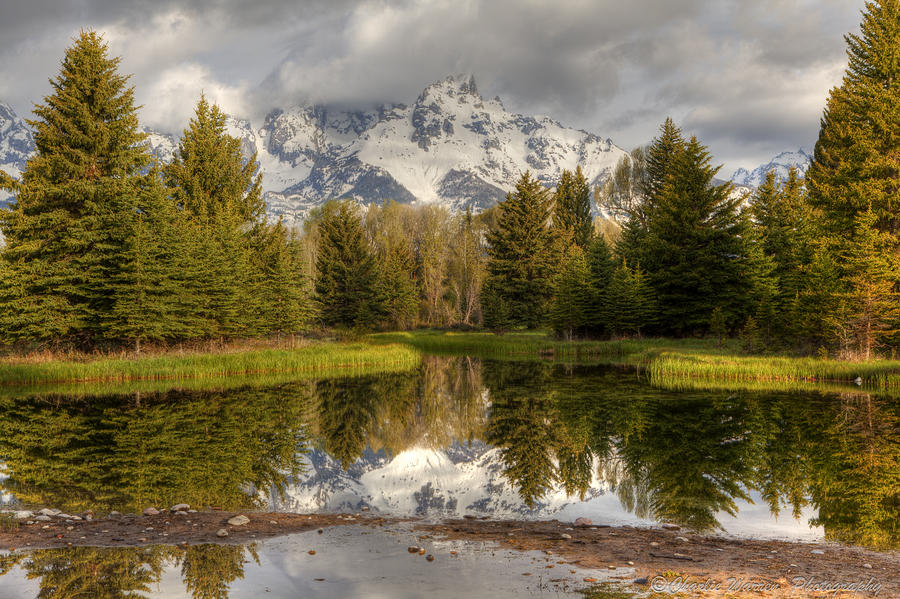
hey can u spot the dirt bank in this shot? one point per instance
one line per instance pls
(741, 567)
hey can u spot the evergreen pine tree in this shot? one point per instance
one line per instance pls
(572, 207)
(568, 311)
(870, 305)
(347, 277)
(144, 290)
(285, 306)
(523, 257)
(854, 165)
(601, 267)
(853, 180)
(75, 202)
(658, 163)
(222, 195)
(694, 246)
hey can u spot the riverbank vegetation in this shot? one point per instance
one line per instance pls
(666, 362)
(322, 358)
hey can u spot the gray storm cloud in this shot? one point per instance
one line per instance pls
(750, 78)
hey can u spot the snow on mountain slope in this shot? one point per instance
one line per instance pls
(451, 482)
(451, 146)
(781, 164)
(16, 145)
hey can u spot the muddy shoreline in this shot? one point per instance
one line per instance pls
(641, 552)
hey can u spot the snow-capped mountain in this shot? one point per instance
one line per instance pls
(16, 144)
(781, 164)
(450, 146)
(463, 479)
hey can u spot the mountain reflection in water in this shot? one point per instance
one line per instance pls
(678, 456)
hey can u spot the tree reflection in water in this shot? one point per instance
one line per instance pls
(677, 456)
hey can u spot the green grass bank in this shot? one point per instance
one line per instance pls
(321, 358)
(667, 362)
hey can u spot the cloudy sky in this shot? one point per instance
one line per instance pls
(749, 77)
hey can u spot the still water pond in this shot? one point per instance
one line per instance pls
(462, 436)
(351, 562)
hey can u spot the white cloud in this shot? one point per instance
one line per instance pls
(750, 78)
(169, 102)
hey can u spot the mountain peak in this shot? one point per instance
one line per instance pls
(780, 164)
(460, 84)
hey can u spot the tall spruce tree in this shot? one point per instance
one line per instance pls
(347, 276)
(221, 193)
(571, 301)
(854, 177)
(694, 246)
(523, 259)
(854, 165)
(657, 164)
(75, 203)
(601, 267)
(869, 306)
(572, 207)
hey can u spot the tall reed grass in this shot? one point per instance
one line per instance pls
(667, 362)
(318, 357)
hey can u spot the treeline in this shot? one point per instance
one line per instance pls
(105, 247)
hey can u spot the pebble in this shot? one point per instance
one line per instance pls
(273, 522)
(238, 520)
(610, 567)
(565, 536)
(312, 551)
(115, 515)
(180, 507)
(682, 539)
(589, 579)
(320, 531)
(817, 552)
(364, 509)
(654, 544)
(222, 533)
(412, 549)
(452, 553)
(24, 515)
(45, 527)
(47, 512)
(867, 566)
(421, 551)
(668, 526)
(43, 518)
(151, 511)
(143, 539)
(70, 528)
(642, 580)
(583, 522)
(429, 557)
(630, 563)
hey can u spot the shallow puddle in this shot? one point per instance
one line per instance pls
(351, 561)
